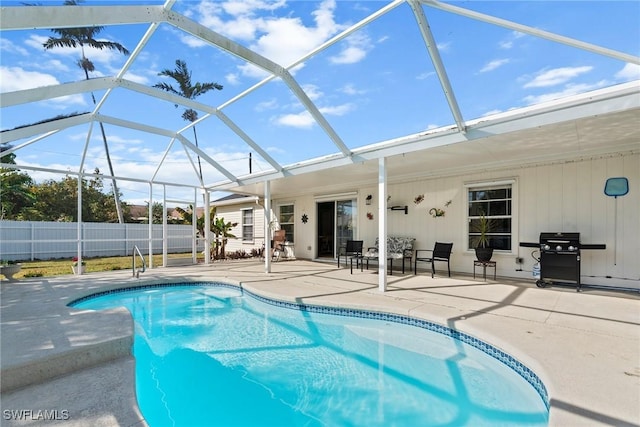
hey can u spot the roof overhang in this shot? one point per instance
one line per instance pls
(592, 124)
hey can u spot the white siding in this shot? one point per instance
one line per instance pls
(233, 213)
(565, 197)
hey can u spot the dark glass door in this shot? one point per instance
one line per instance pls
(326, 229)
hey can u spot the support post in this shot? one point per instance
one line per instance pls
(150, 225)
(382, 224)
(194, 228)
(207, 228)
(267, 227)
(79, 231)
(165, 228)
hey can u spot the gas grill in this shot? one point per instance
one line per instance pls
(560, 257)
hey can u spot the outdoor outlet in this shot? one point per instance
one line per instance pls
(308, 248)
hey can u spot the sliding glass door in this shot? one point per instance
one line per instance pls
(346, 216)
(337, 223)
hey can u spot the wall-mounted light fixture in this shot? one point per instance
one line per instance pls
(368, 199)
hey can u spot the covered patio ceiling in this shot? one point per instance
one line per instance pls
(591, 123)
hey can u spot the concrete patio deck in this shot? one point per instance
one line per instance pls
(584, 346)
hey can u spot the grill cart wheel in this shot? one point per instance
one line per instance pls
(541, 283)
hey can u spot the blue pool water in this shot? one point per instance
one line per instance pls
(215, 356)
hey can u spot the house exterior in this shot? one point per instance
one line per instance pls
(248, 213)
(564, 195)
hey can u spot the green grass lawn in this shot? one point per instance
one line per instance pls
(60, 267)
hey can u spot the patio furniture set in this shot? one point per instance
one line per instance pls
(398, 248)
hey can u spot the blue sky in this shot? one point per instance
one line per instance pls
(377, 84)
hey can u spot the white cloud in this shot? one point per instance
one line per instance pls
(16, 78)
(444, 47)
(349, 55)
(337, 110)
(36, 41)
(557, 76)
(282, 39)
(629, 72)
(304, 120)
(509, 41)
(299, 120)
(10, 47)
(137, 78)
(567, 91)
(232, 79)
(492, 65)
(313, 92)
(425, 75)
(266, 105)
(191, 41)
(357, 47)
(350, 89)
(53, 65)
(491, 113)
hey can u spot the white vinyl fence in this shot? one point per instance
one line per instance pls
(30, 240)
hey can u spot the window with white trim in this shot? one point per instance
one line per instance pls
(287, 221)
(247, 225)
(494, 202)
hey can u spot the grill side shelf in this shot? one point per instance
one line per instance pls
(593, 246)
(529, 245)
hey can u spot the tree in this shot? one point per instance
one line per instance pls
(81, 37)
(187, 216)
(156, 213)
(186, 89)
(15, 188)
(218, 226)
(222, 231)
(57, 201)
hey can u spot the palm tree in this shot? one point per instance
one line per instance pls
(222, 231)
(81, 37)
(186, 89)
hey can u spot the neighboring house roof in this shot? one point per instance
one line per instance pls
(233, 196)
(235, 199)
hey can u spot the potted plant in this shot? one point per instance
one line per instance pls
(78, 266)
(9, 268)
(482, 227)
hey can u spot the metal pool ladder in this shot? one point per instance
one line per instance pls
(136, 272)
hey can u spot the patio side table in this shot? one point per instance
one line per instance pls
(484, 265)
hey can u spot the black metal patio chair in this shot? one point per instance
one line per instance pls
(352, 250)
(440, 252)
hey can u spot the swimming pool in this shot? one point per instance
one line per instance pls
(214, 354)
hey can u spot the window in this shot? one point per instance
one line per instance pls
(286, 220)
(247, 225)
(494, 203)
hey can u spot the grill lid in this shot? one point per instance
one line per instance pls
(560, 242)
(559, 237)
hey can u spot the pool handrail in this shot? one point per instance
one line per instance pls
(136, 273)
